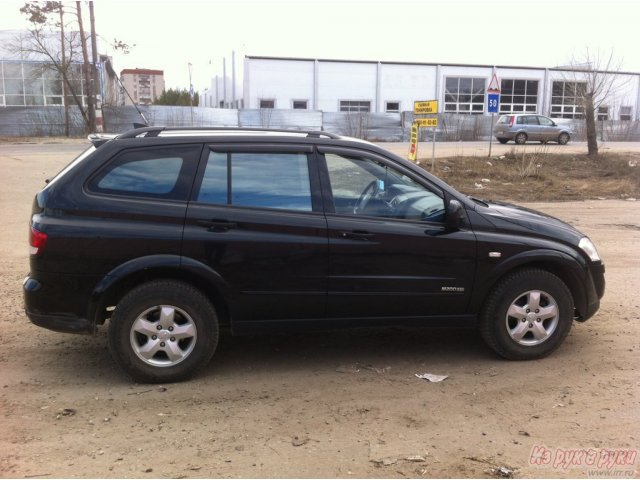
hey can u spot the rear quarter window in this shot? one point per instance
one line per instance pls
(163, 172)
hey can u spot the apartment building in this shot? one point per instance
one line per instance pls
(143, 86)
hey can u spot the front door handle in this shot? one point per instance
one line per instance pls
(217, 225)
(358, 235)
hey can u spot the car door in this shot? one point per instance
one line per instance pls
(255, 218)
(390, 254)
(533, 127)
(548, 129)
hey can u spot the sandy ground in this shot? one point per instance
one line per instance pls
(319, 405)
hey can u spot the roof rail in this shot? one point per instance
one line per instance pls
(98, 139)
(155, 131)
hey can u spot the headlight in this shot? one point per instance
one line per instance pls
(589, 248)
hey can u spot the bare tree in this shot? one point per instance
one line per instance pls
(45, 19)
(594, 76)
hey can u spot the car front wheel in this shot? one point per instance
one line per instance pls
(163, 331)
(527, 315)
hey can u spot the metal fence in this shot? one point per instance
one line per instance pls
(49, 121)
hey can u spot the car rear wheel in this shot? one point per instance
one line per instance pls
(503, 140)
(527, 315)
(163, 331)
(521, 138)
(563, 138)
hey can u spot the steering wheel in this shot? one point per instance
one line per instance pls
(367, 194)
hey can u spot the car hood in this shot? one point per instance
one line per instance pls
(507, 217)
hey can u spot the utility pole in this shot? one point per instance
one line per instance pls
(224, 82)
(95, 79)
(233, 78)
(65, 99)
(191, 93)
(88, 77)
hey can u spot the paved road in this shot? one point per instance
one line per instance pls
(481, 149)
(71, 148)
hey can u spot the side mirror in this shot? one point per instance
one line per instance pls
(455, 216)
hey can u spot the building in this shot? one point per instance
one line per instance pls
(221, 94)
(392, 87)
(141, 85)
(28, 79)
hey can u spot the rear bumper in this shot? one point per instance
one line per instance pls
(61, 323)
(58, 302)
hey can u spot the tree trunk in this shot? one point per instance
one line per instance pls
(592, 133)
(91, 117)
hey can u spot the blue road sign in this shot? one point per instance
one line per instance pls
(493, 100)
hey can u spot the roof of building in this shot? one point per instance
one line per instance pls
(435, 64)
(141, 71)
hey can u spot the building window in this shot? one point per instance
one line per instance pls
(566, 99)
(603, 113)
(267, 104)
(356, 106)
(299, 104)
(519, 96)
(464, 95)
(392, 107)
(625, 114)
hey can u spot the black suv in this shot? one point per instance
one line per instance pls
(171, 234)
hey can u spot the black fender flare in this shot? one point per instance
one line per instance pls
(572, 270)
(173, 265)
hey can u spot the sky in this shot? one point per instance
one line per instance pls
(168, 35)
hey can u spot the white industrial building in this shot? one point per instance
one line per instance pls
(392, 87)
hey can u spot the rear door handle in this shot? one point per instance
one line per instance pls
(217, 225)
(358, 235)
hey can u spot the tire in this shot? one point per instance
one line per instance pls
(163, 331)
(521, 138)
(563, 138)
(503, 140)
(508, 321)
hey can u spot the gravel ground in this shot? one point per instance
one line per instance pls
(324, 404)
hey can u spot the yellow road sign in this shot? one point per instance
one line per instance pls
(413, 145)
(421, 108)
(426, 122)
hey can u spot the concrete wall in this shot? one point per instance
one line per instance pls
(49, 121)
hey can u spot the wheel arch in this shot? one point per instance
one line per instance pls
(567, 268)
(135, 272)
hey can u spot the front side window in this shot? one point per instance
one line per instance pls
(264, 180)
(545, 122)
(155, 172)
(464, 95)
(365, 187)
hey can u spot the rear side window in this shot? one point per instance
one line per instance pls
(504, 119)
(156, 172)
(265, 180)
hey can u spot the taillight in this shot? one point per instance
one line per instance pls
(511, 120)
(37, 241)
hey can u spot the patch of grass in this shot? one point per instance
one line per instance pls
(540, 176)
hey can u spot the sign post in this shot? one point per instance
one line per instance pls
(423, 108)
(493, 102)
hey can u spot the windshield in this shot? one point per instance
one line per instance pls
(73, 163)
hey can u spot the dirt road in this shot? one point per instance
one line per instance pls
(318, 405)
